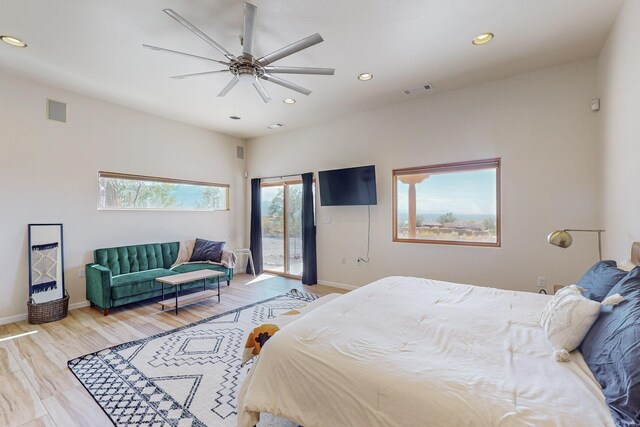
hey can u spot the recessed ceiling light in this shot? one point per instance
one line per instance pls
(482, 39)
(13, 41)
(234, 117)
(275, 126)
(289, 101)
(365, 76)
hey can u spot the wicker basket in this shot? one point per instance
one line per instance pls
(49, 311)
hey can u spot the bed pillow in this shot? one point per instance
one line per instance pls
(566, 319)
(612, 351)
(598, 281)
(207, 250)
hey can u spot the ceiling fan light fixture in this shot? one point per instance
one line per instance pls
(289, 101)
(13, 41)
(482, 39)
(365, 76)
(248, 68)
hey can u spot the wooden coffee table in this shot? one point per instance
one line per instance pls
(177, 280)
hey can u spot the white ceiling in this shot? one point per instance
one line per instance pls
(94, 47)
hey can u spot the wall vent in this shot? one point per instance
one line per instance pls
(56, 111)
(240, 152)
(418, 89)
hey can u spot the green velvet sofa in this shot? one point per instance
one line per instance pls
(127, 274)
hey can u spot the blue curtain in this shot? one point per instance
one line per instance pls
(309, 262)
(256, 227)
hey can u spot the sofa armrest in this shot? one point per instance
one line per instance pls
(98, 285)
(228, 259)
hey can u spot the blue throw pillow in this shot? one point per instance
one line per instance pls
(612, 351)
(598, 281)
(207, 250)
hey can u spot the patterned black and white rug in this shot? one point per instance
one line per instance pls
(183, 377)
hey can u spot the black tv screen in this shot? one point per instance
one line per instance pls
(352, 186)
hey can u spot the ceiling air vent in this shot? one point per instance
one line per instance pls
(418, 89)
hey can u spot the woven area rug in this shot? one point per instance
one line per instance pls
(183, 377)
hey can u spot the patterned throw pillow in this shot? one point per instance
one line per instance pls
(567, 318)
(207, 250)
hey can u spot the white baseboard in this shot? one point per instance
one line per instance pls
(23, 316)
(12, 319)
(80, 304)
(338, 285)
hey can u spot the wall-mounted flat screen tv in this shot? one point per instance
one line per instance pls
(351, 186)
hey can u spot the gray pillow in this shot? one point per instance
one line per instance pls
(207, 250)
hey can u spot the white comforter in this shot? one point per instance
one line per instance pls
(408, 352)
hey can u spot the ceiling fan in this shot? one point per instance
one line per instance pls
(246, 67)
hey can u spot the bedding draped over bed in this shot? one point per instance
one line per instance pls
(408, 352)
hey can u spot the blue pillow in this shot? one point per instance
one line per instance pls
(207, 250)
(612, 351)
(598, 281)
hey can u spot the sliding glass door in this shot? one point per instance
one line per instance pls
(281, 228)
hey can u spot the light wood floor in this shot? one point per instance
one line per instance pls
(37, 388)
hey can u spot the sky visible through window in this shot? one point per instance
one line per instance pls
(469, 195)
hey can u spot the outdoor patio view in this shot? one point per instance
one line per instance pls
(282, 218)
(130, 192)
(458, 206)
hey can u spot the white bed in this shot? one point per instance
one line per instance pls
(405, 351)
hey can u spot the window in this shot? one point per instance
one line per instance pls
(124, 191)
(456, 203)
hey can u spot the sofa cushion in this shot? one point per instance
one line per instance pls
(169, 253)
(137, 283)
(185, 268)
(130, 259)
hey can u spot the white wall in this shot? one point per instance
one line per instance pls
(619, 86)
(49, 174)
(539, 123)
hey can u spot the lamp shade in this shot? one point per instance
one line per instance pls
(560, 238)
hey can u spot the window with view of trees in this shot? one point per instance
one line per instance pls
(124, 191)
(282, 227)
(457, 203)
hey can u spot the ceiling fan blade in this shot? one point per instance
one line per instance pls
(184, 76)
(291, 49)
(288, 85)
(198, 33)
(249, 26)
(261, 90)
(229, 86)
(300, 70)
(162, 49)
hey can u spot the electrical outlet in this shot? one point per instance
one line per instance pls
(81, 273)
(542, 282)
(344, 260)
(359, 262)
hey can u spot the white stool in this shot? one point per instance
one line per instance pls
(246, 251)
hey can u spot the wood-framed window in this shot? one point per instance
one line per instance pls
(121, 191)
(453, 203)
